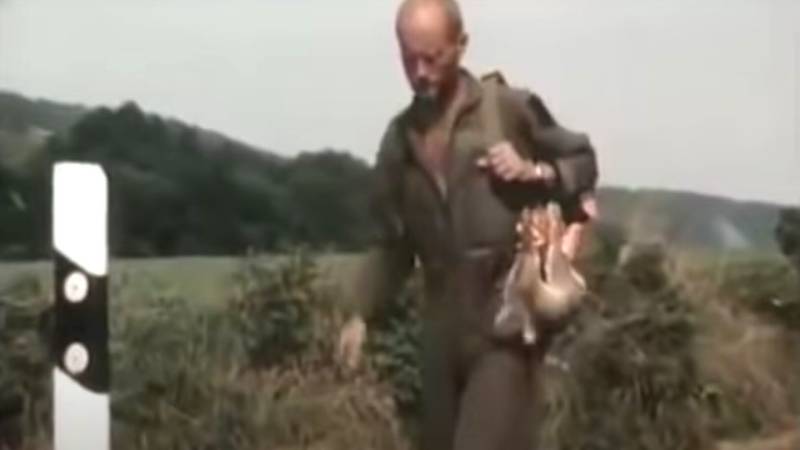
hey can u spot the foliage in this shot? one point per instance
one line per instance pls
(19, 113)
(678, 367)
(233, 375)
(275, 309)
(787, 233)
(24, 363)
(180, 190)
(771, 290)
(395, 348)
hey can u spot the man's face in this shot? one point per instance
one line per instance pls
(431, 57)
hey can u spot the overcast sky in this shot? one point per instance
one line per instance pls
(681, 94)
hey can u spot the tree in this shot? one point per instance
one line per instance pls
(787, 233)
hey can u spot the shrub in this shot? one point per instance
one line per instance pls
(274, 309)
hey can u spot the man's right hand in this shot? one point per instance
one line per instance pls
(351, 342)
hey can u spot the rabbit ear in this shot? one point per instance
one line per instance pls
(554, 210)
(555, 262)
(556, 227)
(529, 229)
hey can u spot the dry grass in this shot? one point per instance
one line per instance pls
(786, 440)
(678, 354)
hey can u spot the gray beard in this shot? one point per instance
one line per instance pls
(427, 105)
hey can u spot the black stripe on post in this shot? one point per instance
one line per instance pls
(81, 325)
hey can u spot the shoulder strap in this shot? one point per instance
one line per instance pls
(490, 107)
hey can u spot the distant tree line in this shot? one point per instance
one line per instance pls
(182, 190)
(176, 190)
(787, 234)
(17, 113)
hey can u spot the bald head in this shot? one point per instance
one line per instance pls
(432, 42)
(442, 14)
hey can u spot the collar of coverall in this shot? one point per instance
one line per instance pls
(472, 97)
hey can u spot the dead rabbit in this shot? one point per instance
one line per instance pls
(542, 288)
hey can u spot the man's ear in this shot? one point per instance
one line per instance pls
(463, 40)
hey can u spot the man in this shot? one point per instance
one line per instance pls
(445, 199)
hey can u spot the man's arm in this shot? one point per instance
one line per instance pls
(390, 260)
(571, 154)
(573, 165)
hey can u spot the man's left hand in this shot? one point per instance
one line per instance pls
(505, 163)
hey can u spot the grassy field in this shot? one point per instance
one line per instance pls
(691, 351)
(208, 279)
(204, 280)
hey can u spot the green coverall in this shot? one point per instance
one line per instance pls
(478, 390)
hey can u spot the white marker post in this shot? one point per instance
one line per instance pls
(81, 376)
